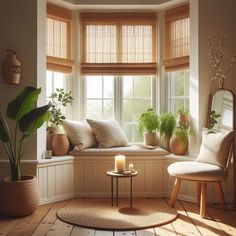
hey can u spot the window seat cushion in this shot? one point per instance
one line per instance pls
(131, 150)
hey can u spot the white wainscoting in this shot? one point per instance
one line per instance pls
(66, 177)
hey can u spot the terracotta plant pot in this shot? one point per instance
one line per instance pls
(11, 68)
(178, 146)
(150, 139)
(51, 131)
(60, 145)
(19, 198)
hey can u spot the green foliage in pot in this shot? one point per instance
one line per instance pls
(167, 124)
(59, 99)
(27, 120)
(182, 134)
(183, 112)
(148, 121)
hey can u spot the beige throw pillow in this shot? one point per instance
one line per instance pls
(215, 147)
(79, 134)
(108, 133)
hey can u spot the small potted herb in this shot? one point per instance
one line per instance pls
(166, 128)
(148, 124)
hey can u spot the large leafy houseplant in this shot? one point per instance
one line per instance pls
(27, 120)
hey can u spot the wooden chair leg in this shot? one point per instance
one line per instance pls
(221, 195)
(198, 193)
(203, 200)
(175, 192)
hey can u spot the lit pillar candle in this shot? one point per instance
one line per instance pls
(120, 163)
(131, 166)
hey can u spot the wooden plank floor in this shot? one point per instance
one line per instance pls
(45, 222)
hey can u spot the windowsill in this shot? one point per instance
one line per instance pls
(69, 158)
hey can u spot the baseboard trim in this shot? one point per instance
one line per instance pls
(55, 199)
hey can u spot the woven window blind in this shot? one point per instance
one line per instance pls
(118, 43)
(177, 38)
(59, 24)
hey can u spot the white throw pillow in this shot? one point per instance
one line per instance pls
(79, 134)
(108, 133)
(215, 147)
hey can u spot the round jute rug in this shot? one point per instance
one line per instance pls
(99, 214)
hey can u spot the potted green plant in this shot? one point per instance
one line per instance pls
(183, 118)
(148, 124)
(166, 127)
(179, 141)
(59, 100)
(19, 194)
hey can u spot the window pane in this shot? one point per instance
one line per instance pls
(100, 92)
(108, 109)
(108, 86)
(179, 84)
(142, 86)
(94, 86)
(128, 130)
(139, 107)
(137, 136)
(94, 109)
(128, 86)
(127, 110)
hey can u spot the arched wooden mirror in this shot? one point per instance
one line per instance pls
(221, 115)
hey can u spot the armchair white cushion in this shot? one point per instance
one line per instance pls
(192, 170)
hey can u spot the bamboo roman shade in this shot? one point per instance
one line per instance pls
(118, 43)
(177, 38)
(59, 36)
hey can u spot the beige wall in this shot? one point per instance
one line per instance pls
(210, 17)
(21, 29)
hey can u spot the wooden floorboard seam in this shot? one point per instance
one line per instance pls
(180, 202)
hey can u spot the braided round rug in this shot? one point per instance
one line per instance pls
(99, 214)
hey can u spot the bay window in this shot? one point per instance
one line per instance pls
(118, 63)
(118, 66)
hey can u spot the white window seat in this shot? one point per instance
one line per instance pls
(131, 150)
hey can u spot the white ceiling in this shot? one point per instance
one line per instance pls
(117, 4)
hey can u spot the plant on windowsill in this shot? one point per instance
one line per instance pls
(56, 140)
(183, 118)
(166, 128)
(179, 141)
(19, 194)
(148, 123)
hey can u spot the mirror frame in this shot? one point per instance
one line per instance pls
(233, 128)
(210, 105)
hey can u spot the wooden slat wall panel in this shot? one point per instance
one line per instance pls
(87, 177)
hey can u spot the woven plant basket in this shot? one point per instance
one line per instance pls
(19, 198)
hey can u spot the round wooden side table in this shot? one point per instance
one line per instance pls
(116, 176)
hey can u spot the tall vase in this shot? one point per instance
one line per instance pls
(51, 131)
(60, 145)
(11, 68)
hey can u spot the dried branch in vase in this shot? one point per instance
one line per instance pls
(215, 56)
